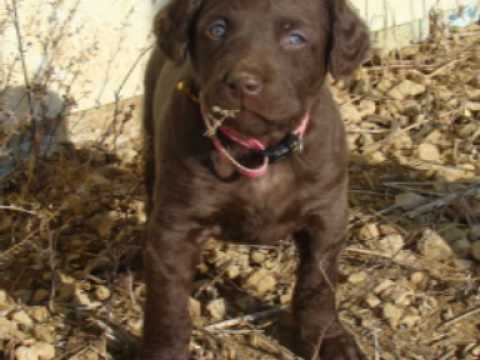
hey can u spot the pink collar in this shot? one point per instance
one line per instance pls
(293, 142)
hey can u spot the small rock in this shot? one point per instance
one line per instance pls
(350, 113)
(195, 308)
(410, 108)
(418, 278)
(402, 141)
(371, 323)
(3, 297)
(40, 313)
(44, 333)
(368, 232)
(217, 309)
(447, 313)
(139, 207)
(409, 200)
(203, 268)
(8, 329)
(467, 131)
(25, 353)
(270, 263)
(433, 246)
(261, 281)
(410, 320)
(242, 260)
(435, 137)
(5, 301)
(358, 277)
(43, 351)
(384, 85)
(391, 244)
(366, 108)
(451, 174)
(352, 141)
(82, 298)
(406, 88)
(428, 152)
(474, 95)
(102, 293)
(473, 106)
(407, 257)
(136, 325)
(286, 298)
(258, 257)
(127, 155)
(476, 351)
(375, 158)
(384, 285)
(392, 314)
(387, 229)
(22, 318)
(372, 300)
(476, 250)
(402, 296)
(232, 271)
(365, 140)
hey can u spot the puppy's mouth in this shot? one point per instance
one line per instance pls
(219, 121)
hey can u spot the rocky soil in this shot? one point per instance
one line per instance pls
(71, 286)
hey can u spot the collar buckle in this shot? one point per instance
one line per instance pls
(291, 143)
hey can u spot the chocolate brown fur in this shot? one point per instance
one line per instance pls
(305, 196)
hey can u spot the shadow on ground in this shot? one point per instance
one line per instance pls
(71, 279)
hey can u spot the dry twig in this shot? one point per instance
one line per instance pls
(460, 317)
(444, 201)
(244, 319)
(18, 209)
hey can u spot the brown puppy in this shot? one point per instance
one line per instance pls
(265, 62)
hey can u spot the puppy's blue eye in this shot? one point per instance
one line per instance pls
(217, 30)
(296, 39)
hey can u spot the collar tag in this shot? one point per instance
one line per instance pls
(292, 143)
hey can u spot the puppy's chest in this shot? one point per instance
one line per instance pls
(261, 211)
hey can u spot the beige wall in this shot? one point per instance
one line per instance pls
(91, 48)
(88, 45)
(381, 14)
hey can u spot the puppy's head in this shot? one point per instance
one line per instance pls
(265, 58)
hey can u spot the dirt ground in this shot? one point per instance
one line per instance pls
(71, 284)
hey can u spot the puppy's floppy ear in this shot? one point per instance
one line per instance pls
(172, 27)
(350, 40)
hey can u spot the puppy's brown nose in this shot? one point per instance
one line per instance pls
(244, 82)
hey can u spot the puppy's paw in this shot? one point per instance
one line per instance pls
(341, 347)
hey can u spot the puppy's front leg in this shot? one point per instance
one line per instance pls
(319, 334)
(172, 252)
